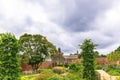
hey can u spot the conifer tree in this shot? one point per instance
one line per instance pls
(88, 56)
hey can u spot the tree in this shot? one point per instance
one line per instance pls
(88, 57)
(59, 52)
(9, 62)
(96, 54)
(35, 49)
(114, 55)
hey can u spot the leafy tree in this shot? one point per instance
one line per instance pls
(9, 64)
(96, 54)
(35, 49)
(114, 55)
(88, 57)
(102, 55)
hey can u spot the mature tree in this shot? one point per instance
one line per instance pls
(88, 57)
(114, 55)
(35, 49)
(9, 64)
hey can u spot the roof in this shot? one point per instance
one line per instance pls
(71, 57)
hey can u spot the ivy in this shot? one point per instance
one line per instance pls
(88, 59)
(9, 64)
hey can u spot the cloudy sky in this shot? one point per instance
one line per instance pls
(66, 23)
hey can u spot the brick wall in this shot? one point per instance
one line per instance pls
(43, 65)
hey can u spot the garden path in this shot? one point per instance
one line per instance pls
(105, 76)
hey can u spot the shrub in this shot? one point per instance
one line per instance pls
(44, 76)
(56, 77)
(114, 72)
(67, 77)
(9, 60)
(118, 78)
(24, 78)
(98, 67)
(66, 65)
(30, 77)
(73, 76)
(75, 67)
(59, 70)
(44, 70)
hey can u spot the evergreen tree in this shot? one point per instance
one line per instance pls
(88, 56)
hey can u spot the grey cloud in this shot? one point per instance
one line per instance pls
(74, 16)
(79, 14)
(66, 23)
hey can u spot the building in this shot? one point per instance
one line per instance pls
(70, 58)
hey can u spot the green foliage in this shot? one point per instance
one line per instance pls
(44, 70)
(57, 77)
(44, 76)
(114, 56)
(69, 76)
(118, 77)
(114, 72)
(75, 67)
(59, 70)
(96, 54)
(30, 77)
(9, 64)
(66, 65)
(73, 76)
(88, 56)
(35, 49)
(98, 67)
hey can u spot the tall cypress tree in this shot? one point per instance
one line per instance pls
(88, 56)
(9, 64)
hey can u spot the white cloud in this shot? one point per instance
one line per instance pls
(107, 24)
(28, 16)
(15, 13)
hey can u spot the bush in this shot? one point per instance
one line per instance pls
(9, 60)
(44, 76)
(24, 78)
(44, 70)
(67, 77)
(75, 68)
(114, 72)
(66, 65)
(118, 78)
(98, 67)
(72, 76)
(27, 78)
(59, 70)
(57, 77)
